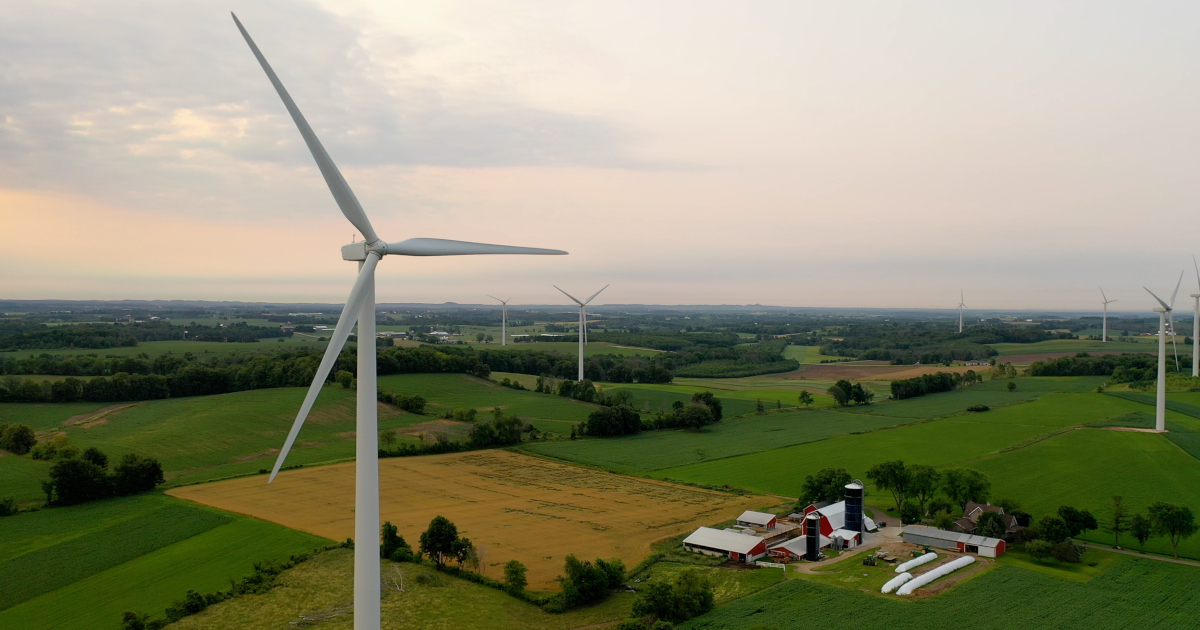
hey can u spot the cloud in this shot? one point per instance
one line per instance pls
(161, 106)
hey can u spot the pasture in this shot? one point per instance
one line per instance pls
(570, 348)
(82, 566)
(1138, 593)
(956, 440)
(201, 349)
(430, 601)
(514, 506)
(653, 450)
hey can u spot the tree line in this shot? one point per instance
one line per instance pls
(932, 384)
(1123, 368)
(36, 336)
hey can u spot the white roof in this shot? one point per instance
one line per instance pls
(954, 537)
(835, 513)
(844, 533)
(868, 524)
(722, 539)
(755, 518)
(798, 546)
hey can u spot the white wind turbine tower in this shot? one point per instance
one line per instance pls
(582, 321)
(961, 306)
(1164, 316)
(1104, 325)
(360, 306)
(503, 319)
(1195, 322)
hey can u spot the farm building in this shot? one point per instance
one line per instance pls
(750, 518)
(723, 542)
(794, 549)
(971, 517)
(833, 521)
(966, 543)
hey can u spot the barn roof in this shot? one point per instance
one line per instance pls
(755, 518)
(723, 539)
(952, 537)
(797, 546)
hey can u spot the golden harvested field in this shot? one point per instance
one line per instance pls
(511, 506)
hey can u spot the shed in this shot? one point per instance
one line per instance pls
(966, 543)
(750, 518)
(793, 549)
(723, 542)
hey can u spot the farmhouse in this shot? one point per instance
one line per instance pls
(763, 520)
(971, 518)
(724, 542)
(966, 543)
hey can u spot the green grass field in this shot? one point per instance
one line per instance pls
(954, 440)
(652, 450)
(156, 348)
(944, 403)
(1134, 593)
(1069, 384)
(806, 354)
(98, 560)
(570, 348)
(1075, 345)
(45, 416)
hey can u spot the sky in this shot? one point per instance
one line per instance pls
(852, 154)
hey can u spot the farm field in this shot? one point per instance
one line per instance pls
(210, 437)
(429, 602)
(806, 354)
(944, 403)
(653, 450)
(1027, 353)
(1087, 467)
(1136, 592)
(158, 348)
(570, 348)
(513, 505)
(133, 553)
(871, 371)
(941, 442)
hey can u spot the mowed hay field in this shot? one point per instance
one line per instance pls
(513, 506)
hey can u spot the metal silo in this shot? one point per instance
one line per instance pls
(854, 506)
(812, 533)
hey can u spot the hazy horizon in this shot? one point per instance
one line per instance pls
(870, 155)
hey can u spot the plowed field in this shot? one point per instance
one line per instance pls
(511, 506)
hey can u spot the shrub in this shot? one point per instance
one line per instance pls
(691, 594)
(991, 524)
(586, 583)
(94, 455)
(909, 513)
(136, 474)
(392, 541)
(74, 481)
(1039, 549)
(1066, 551)
(978, 408)
(17, 439)
(8, 506)
(344, 378)
(514, 577)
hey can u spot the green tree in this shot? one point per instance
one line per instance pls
(944, 520)
(829, 484)
(840, 391)
(1052, 529)
(712, 402)
(860, 396)
(8, 506)
(74, 481)
(1078, 521)
(910, 513)
(514, 577)
(344, 378)
(584, 583)
(1118, 523)
(437, 542)
(894, 477)
(1012, 387)
(1176, 522)
(806, 399)
(923, 482)
(1141, 528)
(1039, 549)
(17, 439)
(758, 407)
(391, 541)
(134, 474)
(388, 438)
(991, 524)
(1066, 551)
(695, 416)
(95, 455)
(965, 485)
(133, 621)
(690, 594)
(479, 337)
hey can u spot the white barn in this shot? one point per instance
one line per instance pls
(724, 542)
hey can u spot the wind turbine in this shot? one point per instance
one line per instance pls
(1195, 322)
(582, 321)
(961, 306)
(360, 306)
(1164, 316)
(1104, 325)
(503, 319)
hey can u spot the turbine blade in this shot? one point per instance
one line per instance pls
(589, 300)
(333, 177)
(568, 295)
(1102, 294)
(1179, 282)
(1197, 266)
(340, 333)
(443, 247)
(1164, 304)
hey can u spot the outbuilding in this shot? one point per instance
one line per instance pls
(762, 520)
(724, 542)
(966, 543)
(794, 549)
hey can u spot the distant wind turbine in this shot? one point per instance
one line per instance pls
(503, 319)
(1164, 316)
(582, 321)
(1195, 322)
(961, 306)
(360, 306)
(1104, 326)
